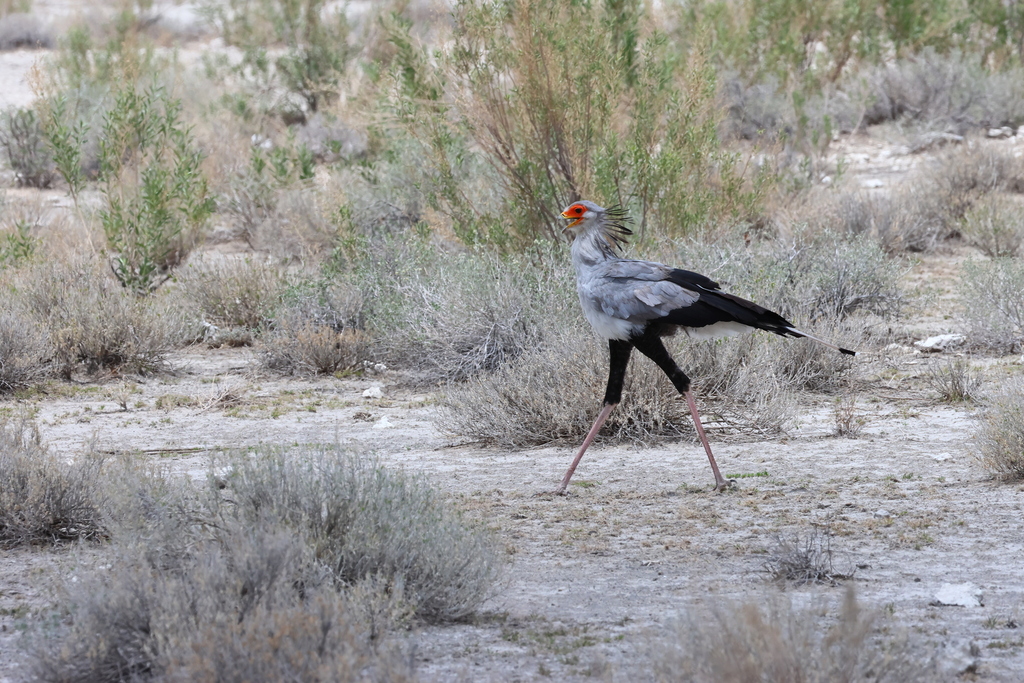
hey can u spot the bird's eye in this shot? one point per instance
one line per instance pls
(578, 210)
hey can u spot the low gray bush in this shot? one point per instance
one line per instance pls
(245, 605)
(294, 565)
(93, 323)
(453, 315)
(233, 292)
(43, 497)
(553, 393)
(992, 308)
(1002, 433)
(951, 91)
(362, 521)
(773, 641)
(24, 350)
(995, 226)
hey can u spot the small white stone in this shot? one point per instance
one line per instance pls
(826, 180)
(872, 183)
(382, 423)
(373, 392)
(940, 342)
(941, 457)
(958, 595)
(882, 514)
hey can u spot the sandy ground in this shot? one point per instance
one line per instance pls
(599, 575)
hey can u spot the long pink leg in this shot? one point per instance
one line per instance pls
(598, 423)
(720, 483)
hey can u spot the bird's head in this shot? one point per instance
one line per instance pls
(586, 216)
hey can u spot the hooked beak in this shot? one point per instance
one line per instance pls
(575, 222)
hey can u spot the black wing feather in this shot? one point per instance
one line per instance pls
(716, 306)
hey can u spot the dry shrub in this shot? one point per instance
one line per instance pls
(295, 565)
(1002, 433)
(233, 292)
(815, 273)
(24, 350)
(316, 332)
(362, 521)
(921, 218)
(773, 641)
(992, 305)
(808, 559)
(552, 394)
(995, 226)
(94, 323)
(844, 415)
(940, 91)
(969, 172)
(954, 380)
(245, 605)
(311, 349)
(454, 315)
(44, 498)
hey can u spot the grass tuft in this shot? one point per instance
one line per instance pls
(773, 641)
(1002, 433)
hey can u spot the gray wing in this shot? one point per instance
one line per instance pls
(633, 290)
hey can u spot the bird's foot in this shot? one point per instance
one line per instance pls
(551, 494)
(724, 485)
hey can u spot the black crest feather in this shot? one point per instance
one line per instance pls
(615, 229)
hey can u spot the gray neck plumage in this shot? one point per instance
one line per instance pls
(591, 247)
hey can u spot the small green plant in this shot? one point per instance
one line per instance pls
(315, 38)
(157, 200)
(18, 245)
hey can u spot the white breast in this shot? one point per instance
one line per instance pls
(609, 327)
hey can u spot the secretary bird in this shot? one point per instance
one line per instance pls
(633, 304)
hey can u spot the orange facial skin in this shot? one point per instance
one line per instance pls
(575, 211)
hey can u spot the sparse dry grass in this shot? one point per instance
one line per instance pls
(774, 641)
(954, 380)
(1002, 433)
(309, 349)
(805, 559)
